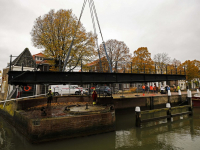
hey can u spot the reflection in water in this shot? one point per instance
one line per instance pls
(182, 133)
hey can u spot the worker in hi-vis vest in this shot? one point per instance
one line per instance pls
(94, 96)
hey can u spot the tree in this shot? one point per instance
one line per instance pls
(117, 51)
(54, 32)
(192, 70)
(161, 60)
(142, 60)
(176, 66)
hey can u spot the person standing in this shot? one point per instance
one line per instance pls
(143, 89)
(94, 97)
(154, 89)
(151, 89)
(49, 97)
(168, 89)
(178, 87)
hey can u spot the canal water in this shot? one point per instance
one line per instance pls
(181, 134)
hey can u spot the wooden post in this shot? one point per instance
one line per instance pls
(138, 117)
(168, 112)
(169, 95)
(190, 102)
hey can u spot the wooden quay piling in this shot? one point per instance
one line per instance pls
(163, 113)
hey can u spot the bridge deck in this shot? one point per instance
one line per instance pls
(39, 77)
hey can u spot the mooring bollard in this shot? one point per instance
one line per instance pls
(168, 112)
(179, 96)
(169, 95)
(190, 102)
(138, 116)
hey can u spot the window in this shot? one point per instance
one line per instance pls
(39, 58)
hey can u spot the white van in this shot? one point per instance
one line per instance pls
(65, 89)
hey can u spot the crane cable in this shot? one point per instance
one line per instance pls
(101, 35)
(66, 59)
(93, 22)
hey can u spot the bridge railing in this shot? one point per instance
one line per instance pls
(125, 67)
(92, 65)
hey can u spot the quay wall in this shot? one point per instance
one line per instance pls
(47, 129)
(70, 127)
(126, 102)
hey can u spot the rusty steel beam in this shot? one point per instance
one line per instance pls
(40, 77)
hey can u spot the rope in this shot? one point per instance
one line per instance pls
(66, 59)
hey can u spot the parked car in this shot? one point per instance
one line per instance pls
(65, 89)
(104, 90)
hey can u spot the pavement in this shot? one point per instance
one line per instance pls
(129, 95)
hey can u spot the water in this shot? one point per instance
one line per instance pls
(181, 134)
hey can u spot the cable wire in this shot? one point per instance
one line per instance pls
(66, 59)
(93, 22)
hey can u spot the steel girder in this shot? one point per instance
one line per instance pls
(40, 77)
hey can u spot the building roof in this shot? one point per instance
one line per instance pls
(40, 55)
(24, 58)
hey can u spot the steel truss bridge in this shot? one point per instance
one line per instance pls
(42, 77)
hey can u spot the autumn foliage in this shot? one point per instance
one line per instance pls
(192, 69)
(54, 32)
(142, 60)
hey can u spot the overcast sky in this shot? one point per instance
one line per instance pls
(170, 26)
